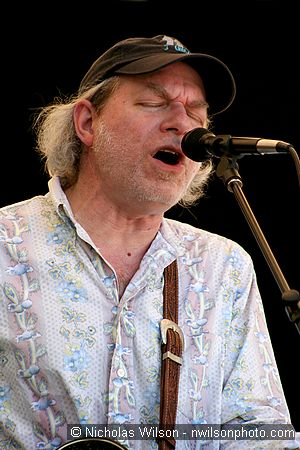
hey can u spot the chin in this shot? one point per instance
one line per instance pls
(160, 196)
(162, 204)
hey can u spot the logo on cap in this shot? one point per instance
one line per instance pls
(174, 44)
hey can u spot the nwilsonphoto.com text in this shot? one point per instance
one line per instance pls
(185, 432)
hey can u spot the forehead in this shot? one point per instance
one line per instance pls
(174, 78)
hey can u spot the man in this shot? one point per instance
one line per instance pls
(82, 268)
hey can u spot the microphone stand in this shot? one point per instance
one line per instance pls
(227, 170)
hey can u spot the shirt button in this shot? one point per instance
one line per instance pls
(120, 373)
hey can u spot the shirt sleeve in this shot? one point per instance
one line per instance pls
(253, 396)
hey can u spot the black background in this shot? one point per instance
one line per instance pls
(46, 50)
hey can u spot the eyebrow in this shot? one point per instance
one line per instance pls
(162, 92)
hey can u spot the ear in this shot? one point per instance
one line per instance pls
(83, 115)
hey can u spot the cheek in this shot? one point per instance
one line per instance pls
(129, 121)
(129, 133)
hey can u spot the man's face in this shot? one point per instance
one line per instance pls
(137, 138)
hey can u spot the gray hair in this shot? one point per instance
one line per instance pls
(57, 141)
(196, 188)
(61, 149)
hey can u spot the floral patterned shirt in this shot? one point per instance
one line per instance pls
(72, 352)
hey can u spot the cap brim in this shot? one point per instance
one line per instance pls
(218, 81)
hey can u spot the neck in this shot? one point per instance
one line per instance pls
(105, 221)
(121, 236)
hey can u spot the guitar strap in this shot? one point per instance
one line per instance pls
(172, 348)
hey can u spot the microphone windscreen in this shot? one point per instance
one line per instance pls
(192, 145)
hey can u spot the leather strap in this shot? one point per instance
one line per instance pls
(172, 348)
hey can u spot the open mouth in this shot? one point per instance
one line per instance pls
(168, 157)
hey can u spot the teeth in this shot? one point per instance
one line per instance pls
(169, 151)
(167, 156)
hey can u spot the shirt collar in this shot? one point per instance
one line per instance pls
(64, 210)
(60, 199)
(167, 238)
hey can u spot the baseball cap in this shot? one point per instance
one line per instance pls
(142, 55)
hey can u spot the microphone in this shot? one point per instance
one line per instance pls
(200, 144)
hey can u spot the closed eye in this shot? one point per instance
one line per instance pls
(153, 104)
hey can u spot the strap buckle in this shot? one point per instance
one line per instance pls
(165, 325)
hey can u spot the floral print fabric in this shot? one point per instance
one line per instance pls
(72, 352)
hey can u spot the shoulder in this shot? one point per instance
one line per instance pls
(189, 236)
(16, 220)
(216, 253)
(23, 208)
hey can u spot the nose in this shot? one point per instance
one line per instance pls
(177, 119)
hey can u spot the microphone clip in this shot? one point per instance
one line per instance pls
(219, 145)
(227, 170)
